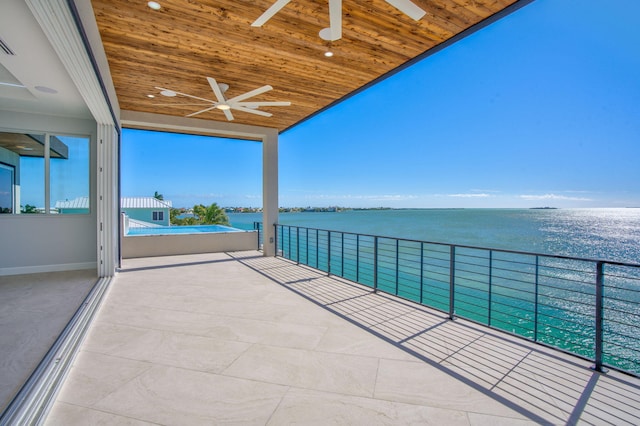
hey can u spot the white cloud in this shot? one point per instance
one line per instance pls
(552, 197)
(474, 195)
(382, 197)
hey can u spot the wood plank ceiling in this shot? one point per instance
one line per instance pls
(185, 41)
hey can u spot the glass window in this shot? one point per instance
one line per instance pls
(7, 200)
(158, 215)
(69, 174)
(31, 184)
(24, 179)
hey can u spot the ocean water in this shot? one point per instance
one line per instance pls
(542, 298)
(609, 234)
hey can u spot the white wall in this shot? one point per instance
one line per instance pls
(168, 245)
(43, 243)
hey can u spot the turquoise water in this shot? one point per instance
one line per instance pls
(170, 230)
(542, 298)
(611, 234)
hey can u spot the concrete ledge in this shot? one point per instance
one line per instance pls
(169, 245)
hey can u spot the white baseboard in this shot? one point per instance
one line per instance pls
(48, 268)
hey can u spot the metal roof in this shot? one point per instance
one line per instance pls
(144, 203)
(76, 203)
(125, 203)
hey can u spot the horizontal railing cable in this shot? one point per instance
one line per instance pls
(587, 307)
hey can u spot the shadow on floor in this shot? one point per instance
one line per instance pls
(547, 386)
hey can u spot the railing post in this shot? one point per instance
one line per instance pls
(307, 246)
(537, 292)
(290, 257)
(297, 245)
(421, 272)
(275, 237)
(490, 296)
(317, 248)
(452, 278)
(397, 265)
(328, 252)
(375, 264)
(358, 258)
(342, 254)
(599, 316)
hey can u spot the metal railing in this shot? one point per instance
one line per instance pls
(590, 308)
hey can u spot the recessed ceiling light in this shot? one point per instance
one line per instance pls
(154, 5)
(328, 54)
(45, 89)
(151, 96)
(169, 93)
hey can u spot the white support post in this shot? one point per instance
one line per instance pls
(269, 191)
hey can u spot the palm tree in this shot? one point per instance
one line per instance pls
(199, 211)
(158, 196)
(215, 216)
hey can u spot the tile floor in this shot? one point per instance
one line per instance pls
(238, 338)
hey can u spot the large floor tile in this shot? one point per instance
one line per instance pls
(345, 374)
(420, 383)
(164, 347)
(308, 407)
(72, 415)
(174, 396)
(94, 376)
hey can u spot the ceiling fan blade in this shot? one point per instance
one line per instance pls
(252, 111)
(335, 19)
(250, 94)
(184, 94)
(334, 32)
(259, 104)
(179, 104)
(408, 8)
(227, 113)
(216, 90)
(275, 8)
(200, 112)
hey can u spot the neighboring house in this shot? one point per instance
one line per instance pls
(146, 209)
(78, 205)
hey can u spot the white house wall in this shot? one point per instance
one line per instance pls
(44, 243)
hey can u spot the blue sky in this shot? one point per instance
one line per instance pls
(541, 108)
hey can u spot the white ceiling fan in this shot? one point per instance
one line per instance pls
(226, 105)
(334, 32)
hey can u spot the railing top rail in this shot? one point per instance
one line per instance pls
(527, 253)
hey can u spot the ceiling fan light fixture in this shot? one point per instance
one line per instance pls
(223, 107)
(154, 5)
(168, 93)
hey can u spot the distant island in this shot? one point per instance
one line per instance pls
(544, 208)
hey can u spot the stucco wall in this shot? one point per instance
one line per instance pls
(43, 243)
(146, 215)
(166, 245)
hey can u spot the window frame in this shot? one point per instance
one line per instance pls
(47, 210)
(12, 169)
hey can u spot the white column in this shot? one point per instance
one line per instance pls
(269, 191)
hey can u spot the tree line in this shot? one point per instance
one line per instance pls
(200, 214)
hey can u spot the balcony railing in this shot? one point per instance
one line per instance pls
(590, 308)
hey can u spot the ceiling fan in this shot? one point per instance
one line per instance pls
(334, 32)
(226, 105)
